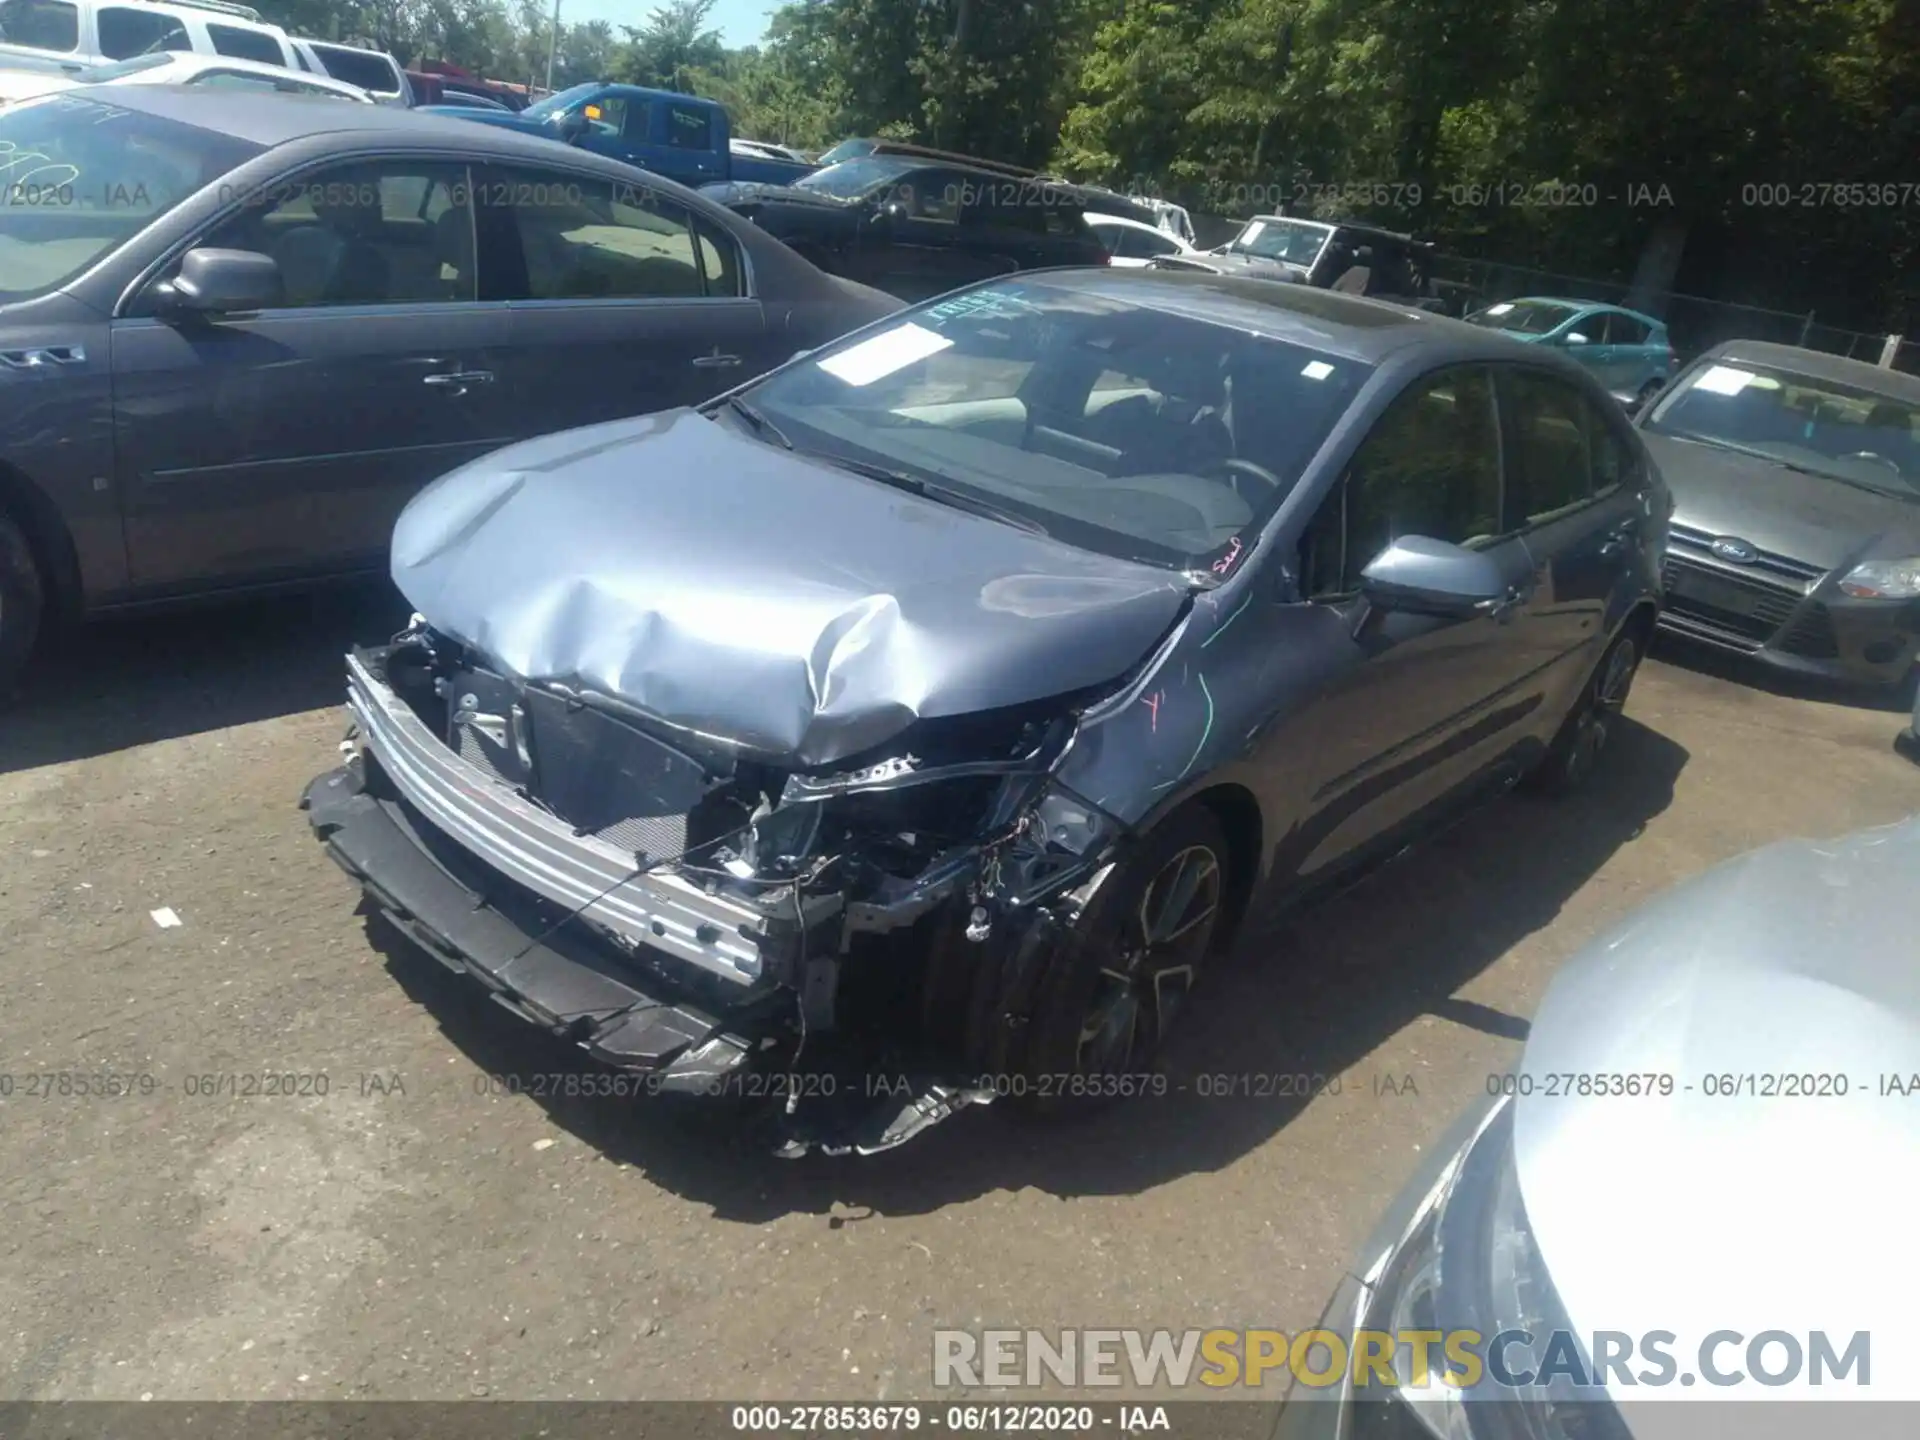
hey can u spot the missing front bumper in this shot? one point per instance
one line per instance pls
(569, 985)
(548, 976)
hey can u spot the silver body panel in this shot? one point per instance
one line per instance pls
(541, 852)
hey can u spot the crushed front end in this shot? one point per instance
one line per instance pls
(857, 945)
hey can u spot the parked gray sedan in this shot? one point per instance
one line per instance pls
(937, 703)
(1696, 1184)
(238, 331)
(1796, 532)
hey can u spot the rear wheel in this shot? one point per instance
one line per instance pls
(22, 602)
(1576, 749)
(1123, 976)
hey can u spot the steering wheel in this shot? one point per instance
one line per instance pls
(1235, 466)
(1893, 465)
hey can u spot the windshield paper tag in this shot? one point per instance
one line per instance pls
(879, 357)
(1724, 380)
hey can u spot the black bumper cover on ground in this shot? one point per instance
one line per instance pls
(459, 916)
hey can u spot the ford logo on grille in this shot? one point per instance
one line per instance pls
(1729, 547)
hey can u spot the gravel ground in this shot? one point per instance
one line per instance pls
(405, 1236)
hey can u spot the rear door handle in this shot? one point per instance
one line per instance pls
(461, 377)
(715, 361)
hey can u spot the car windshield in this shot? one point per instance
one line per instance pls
(1292, 241)
(1119, 426)
(1526, 317)
(1849, 433)
(847, 150)
(560, 101)
(851, 178)
(78, 178)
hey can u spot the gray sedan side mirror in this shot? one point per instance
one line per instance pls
(1432, 577)
(220, 282)
(1574, 337)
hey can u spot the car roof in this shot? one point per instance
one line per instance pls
(197, 62)
(1819, 365)
(1100, 217)
(1351, 326)
(1289, 220)
(270, 120)
(1573, 304)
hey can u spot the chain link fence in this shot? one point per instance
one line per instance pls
(1694, 323)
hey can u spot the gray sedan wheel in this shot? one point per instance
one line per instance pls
(1575, 752)
(1123, 976)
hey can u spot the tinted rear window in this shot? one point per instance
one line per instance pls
(125, 33)
(41, 24)
(246, 44)
(364, 68)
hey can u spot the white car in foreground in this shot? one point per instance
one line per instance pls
(173, 68)
(1132, 244)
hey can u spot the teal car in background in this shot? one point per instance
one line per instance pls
(1627, 351)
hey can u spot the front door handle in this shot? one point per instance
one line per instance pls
(461, 377)
(715, 361)
(1619, 542)
(1503, 608)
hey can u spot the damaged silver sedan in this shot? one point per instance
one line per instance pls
(933, 706)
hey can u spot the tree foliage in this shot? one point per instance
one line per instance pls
(1563, 134)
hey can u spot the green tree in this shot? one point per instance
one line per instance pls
(673, 43)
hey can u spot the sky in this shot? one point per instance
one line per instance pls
(740, 22)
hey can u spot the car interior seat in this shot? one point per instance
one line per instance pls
(331, 260)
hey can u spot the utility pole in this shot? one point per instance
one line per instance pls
(553, 44)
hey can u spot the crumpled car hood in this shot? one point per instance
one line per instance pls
(747, 593)
(1724, 1206)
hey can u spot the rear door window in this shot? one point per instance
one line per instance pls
(245, 44)
(41, 24)
(358, 67)
(125, 32)
(587, 238)
(689, 127)
(1625, 330)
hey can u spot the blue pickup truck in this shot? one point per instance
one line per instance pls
(682, 137)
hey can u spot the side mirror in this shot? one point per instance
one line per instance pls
(1432, 577)
(1574, 337)
(572, 125)
(222, 282)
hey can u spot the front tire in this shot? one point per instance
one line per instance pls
(22, 603)
(1121, 978)
(1575, 752)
